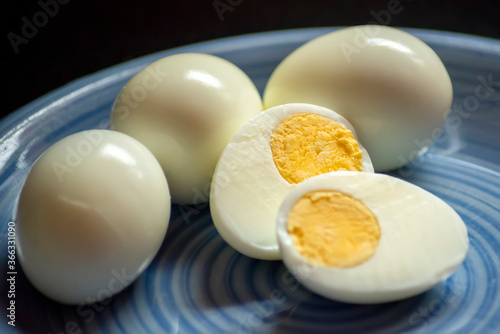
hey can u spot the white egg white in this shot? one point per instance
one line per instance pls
(423, 240)
(391, 86)
(91, 216)
(185, 108)
(247, 188)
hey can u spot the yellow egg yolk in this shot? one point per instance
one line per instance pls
(333, 229)
(304, 145)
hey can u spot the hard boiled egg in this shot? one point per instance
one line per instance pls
(391, 86)
(267, 157)
(91, 216)
(368, 238)
(185, 108)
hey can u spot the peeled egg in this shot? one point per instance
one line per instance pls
(91, 216)
(267, 157)
(185, 108)
(390, 85)
(368, 238)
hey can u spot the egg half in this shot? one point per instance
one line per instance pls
(91, 216)
(391, 86)
(368, 238)
(267, 157)
(185, 108)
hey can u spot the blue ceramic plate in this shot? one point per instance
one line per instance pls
(198, 284)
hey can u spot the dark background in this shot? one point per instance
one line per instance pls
(79, 37)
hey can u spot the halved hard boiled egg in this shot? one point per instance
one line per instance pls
(268, 157)
(368, 238)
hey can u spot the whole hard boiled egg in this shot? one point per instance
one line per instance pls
(268, 157)
(91, 216)
(368, 237)
(391, 86)
(185, 108)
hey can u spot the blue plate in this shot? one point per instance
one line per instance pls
(198, 284)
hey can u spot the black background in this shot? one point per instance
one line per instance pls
(80, 37)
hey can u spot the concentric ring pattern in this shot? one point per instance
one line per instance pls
(198, 284)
